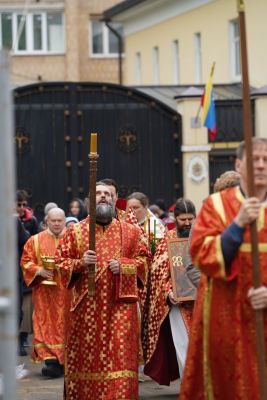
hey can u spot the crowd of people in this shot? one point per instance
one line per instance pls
(170, 290)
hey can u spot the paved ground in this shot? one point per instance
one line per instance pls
(36, 387)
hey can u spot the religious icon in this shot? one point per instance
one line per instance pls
(183, 288)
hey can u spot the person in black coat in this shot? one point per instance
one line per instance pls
(25, 213)
(30, 224)
(22, 237)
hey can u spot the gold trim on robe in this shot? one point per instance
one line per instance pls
(221, 360)
(102, 347)
(99, 376)
(206, 330)
(51, 302)
(218, 205)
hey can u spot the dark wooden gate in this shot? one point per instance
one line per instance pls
(229, 118)
(139, 141)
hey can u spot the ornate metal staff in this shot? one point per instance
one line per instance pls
(247, 122)
(93, 156)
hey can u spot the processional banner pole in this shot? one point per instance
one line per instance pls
(93, 156)
(247, 126)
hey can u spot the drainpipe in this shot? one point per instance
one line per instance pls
(119, 37)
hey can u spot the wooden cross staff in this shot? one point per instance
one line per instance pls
(247, 122)
(93, 156)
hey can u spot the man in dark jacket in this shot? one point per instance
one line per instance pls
(22, 237)
(30, 224)
(25, 213)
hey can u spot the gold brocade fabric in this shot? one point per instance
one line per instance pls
(221, 360)
(102, 345)
(51, 303)
(126, 284)
(157, 309)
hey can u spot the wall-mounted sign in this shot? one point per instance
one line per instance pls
(197, 169)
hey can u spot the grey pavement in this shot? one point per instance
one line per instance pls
(36, 387)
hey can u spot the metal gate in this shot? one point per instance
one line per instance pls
(219, 162)
(139, 141)
(229, 117)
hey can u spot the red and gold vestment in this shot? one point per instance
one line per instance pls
(221, 361)
(51, 303)
(130, 217)
(102, 345)
(158, 348)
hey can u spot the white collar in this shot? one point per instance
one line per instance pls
(53, 235)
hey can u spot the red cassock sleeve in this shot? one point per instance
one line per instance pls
(29, 263)
(206, 249)
(68, 257)
(133, 269)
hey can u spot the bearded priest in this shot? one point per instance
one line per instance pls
(103, 335)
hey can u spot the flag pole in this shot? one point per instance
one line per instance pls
(247, 126)
(212, 69)
(93, 156)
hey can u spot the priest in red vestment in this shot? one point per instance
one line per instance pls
(221, 362)
(166, 322)
(102, 344)
(51, 301)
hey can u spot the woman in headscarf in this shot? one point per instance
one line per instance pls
(77, 209)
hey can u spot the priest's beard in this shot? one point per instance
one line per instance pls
(104, 213)
(183, 232)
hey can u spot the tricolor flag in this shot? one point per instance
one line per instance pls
(208, 107)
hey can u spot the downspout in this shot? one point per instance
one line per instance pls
(119, 37)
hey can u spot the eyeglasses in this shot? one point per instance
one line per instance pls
(24, 204)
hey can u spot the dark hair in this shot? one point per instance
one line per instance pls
(21, 195)
(101, 183)
(139, 196)
(161, 204)
(82, 213)
(111, 182)
(242, 147)
(184, 206)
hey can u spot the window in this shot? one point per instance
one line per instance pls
(54, 31)
(113, 43)
(235, 50)
(21, 31)
(155, 65)
(34, 32)
(6, 30)
(103, 41)
(198, 58)
(37, 32)
(176, 62)
(98, 37)
(138, 69)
